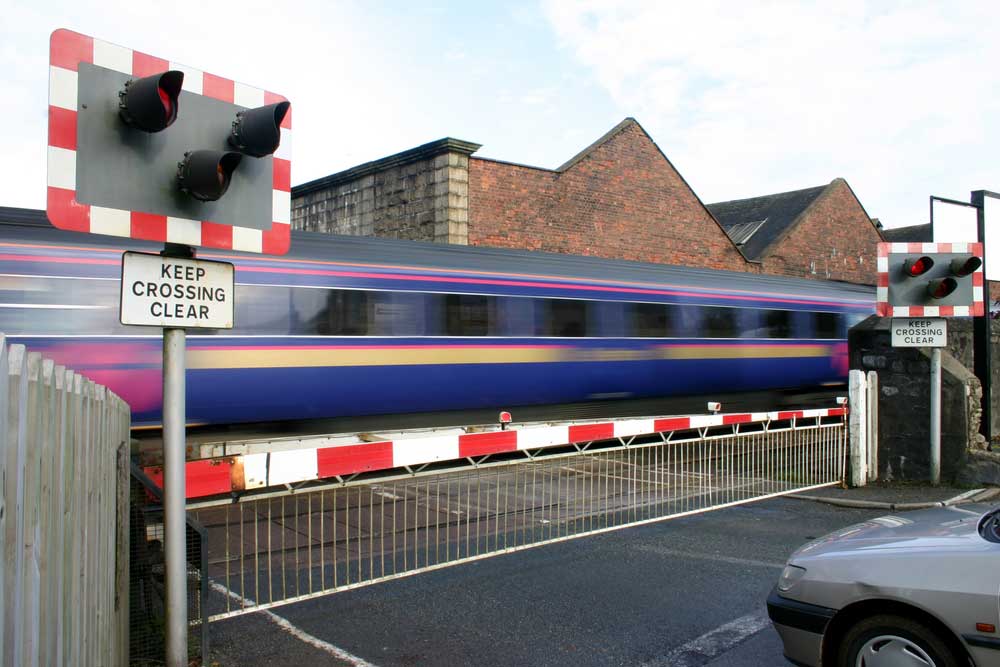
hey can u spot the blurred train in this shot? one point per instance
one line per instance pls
(351, 326)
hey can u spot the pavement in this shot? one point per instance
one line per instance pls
(900, 496)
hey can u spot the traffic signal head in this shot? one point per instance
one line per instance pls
(205, 175)
(918, 280)
(138, 151)
(257, 132)
(150, 103)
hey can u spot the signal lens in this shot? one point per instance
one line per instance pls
(257, 132)
(939, 289)
(964, 267)
(205, 175)
(150, 104)
(168, 105)
(919, 266)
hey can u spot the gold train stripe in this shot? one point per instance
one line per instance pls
(207, 358)
(744, 351)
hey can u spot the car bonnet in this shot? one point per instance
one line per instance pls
(941, 527)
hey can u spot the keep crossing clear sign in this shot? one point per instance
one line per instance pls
(174, 292)
(919, 332)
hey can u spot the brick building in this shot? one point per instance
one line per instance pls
(821, 232)
(619, 198)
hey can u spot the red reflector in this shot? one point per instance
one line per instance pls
(505, 418)
(985, 627)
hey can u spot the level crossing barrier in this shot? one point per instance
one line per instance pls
(64, 518)
(290, 523)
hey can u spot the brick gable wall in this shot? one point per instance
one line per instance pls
(621, 200)
(834, 239)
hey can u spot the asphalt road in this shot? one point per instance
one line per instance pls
(686, 592)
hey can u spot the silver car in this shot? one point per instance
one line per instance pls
(916, 589)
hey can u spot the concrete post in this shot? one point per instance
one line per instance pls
(858, 427)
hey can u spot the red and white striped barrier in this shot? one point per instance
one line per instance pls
(246, 469)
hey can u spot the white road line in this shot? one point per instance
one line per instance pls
(712, 644)
(731, 560)
(296, 632)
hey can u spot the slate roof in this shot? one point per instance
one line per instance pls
(912, 234)
(754, 224)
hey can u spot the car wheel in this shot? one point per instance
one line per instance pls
(893, 641)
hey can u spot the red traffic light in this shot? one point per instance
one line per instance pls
(150, 103)
(257, 132)
(917, 267)
(939, 289)
(962, 267)
(205, 175)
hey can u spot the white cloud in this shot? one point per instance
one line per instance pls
(749, 99)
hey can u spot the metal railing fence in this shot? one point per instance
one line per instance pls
(64, 515)
(147, 593)
(282, 547)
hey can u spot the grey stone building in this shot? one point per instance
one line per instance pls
(421, 194)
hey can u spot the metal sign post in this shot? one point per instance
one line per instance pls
(929, 332)
(174, 493)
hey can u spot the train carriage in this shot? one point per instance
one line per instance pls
(353, 326)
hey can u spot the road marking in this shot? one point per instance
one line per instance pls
(297, 632)
(712, 644)
(731, 560)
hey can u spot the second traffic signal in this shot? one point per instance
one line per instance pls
(932, 279)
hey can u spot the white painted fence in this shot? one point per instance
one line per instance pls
(63, 515)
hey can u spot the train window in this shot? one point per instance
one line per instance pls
(31, 305)
(470, 315)
(778, 324)
(562, 317)
(648, 320)
(347, 313)
(826, 325)
(396, 314)
(720, 322)
(262, 310)
(515, 316)
(854, 319)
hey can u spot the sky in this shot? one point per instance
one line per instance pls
(901, 99)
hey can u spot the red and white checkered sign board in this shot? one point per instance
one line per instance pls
(884, 309)
(67, 50)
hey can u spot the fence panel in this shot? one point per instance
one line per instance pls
(64, 470)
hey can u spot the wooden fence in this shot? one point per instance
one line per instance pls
(63, 515)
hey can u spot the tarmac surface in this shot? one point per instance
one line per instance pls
(900, 496)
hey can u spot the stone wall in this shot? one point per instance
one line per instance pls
(421, 195)
(904, 405)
